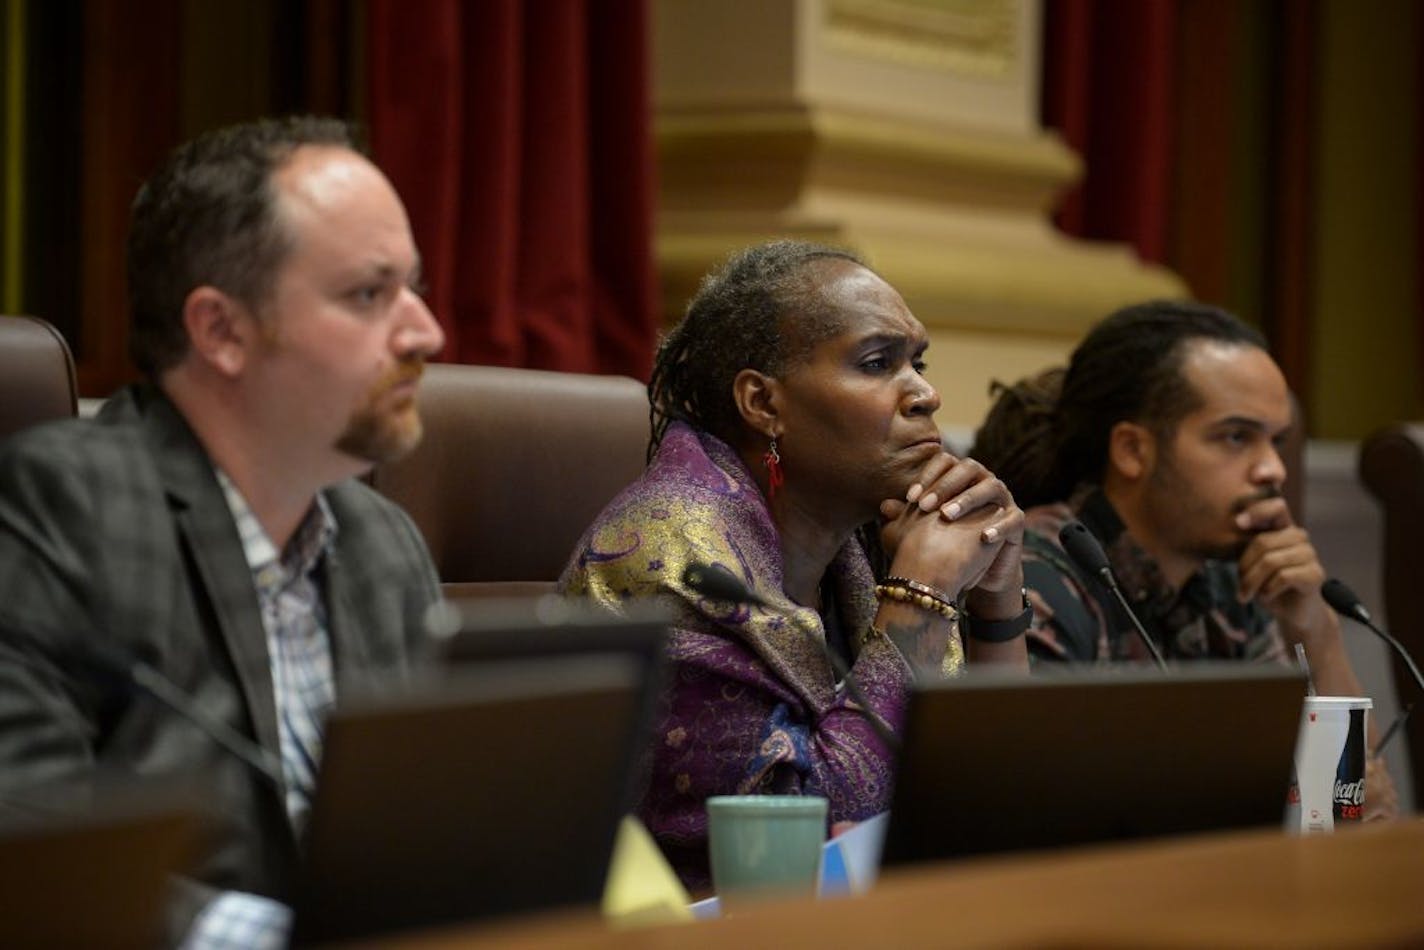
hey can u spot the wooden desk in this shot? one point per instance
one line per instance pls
(1358, 888)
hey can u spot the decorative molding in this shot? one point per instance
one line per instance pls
(975, 38)
(758, 154)
(956, 218)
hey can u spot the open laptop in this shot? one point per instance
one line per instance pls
(492, 789)
(100, 878)
(483, 629)
(995, 763)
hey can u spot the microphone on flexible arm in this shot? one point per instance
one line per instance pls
(1089, 555)
(1346, 603)
(142, 677)
(715, 582)
(149, 680)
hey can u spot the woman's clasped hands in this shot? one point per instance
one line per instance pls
(958, 529)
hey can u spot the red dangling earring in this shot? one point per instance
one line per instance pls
(774, 474)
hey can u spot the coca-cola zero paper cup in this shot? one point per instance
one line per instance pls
(1329, 784)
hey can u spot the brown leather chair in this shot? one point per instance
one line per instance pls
(515, 464)
(36, 374)
(1392, 468)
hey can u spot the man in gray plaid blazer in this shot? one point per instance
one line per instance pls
(208, 521)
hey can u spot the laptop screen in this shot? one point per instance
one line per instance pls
(491, 789)
(1092, 754)
(481, 630)
(101, 878)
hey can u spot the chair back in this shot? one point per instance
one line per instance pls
(515, 464)
(1392, 468)
(36, 374)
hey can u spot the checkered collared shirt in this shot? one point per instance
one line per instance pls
(298, 647)
(304, 687)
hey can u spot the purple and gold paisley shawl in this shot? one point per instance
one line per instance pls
(751, 704)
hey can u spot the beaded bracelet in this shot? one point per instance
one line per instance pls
(915, 598)
(919, 588)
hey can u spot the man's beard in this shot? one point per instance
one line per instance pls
(1234, 551)
(1178, 508)
(378, 433)
(1225, 552)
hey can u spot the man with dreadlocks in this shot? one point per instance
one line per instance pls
(1162, 437)
(789, 410)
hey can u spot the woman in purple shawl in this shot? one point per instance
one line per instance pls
(789, 410)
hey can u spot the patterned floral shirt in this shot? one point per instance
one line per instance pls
(1077, 619)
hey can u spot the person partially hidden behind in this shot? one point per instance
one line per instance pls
(789, 410)
(207, 522)
(1162, 436)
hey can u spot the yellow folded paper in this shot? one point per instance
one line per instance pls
(641, 886)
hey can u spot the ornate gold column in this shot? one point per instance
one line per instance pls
(906, 129)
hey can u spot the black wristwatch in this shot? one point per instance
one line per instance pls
(998, 631)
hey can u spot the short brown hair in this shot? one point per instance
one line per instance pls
(208, 216)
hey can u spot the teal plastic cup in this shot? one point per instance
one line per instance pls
(765, 845)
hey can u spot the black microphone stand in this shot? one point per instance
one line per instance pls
(1347, 603)
(164, 691)
(1088, 553)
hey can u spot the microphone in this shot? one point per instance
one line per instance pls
(149, 680)
(1089, 555)
(718, 583)
(1347, 603)
(130, 672)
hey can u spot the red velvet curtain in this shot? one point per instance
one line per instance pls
(1193, 118)
(1108, 87)
(518, 133)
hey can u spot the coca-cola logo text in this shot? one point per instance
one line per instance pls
(1349, 799)
(1350, 793)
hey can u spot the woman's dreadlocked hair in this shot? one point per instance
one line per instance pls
(736, 322)
(1046, 435)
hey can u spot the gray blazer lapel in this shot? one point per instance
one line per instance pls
(211, 540)
(350, 653)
